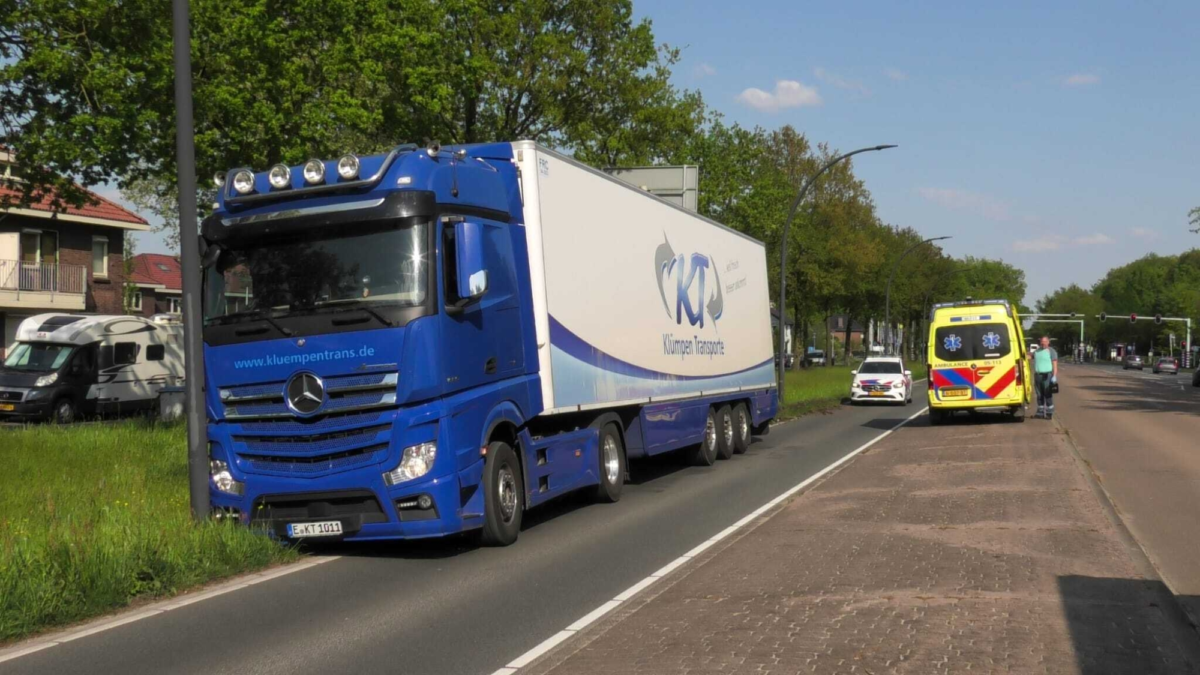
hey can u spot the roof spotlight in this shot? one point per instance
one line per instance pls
(280, 176)
(243, 182)
(347, 167)
(219, 179)
(314, 171)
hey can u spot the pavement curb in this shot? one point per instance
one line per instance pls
(1185, 630)
(132, 614)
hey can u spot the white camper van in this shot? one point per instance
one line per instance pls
(65, 366)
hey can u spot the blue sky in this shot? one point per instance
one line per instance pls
(1059, 138)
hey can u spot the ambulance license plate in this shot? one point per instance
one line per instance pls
(955, 393)
(329, 528)
(7, 407)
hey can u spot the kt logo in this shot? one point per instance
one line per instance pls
(689, 271)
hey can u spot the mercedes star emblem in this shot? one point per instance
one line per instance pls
(305, 394)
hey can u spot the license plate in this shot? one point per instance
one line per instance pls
(7, 407)
(955, 393)
(327, 528)
(877, 393)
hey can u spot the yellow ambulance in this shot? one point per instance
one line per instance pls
(977, 359)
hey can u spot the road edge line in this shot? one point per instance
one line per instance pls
(133, 614)
(681, 562)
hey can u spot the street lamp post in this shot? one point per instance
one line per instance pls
(783, 252)
(887, 303)
(185, 149)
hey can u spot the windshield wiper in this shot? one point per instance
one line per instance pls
(363, 308)
(259, 314)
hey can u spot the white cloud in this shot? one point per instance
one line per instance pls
(895, 74)
(1055, 242)
(1043, 244)
(787, 94)
(703, 70)
(1096, 239)
(1082, 80)
(841, 82)
(971, 202)
(1144, 233)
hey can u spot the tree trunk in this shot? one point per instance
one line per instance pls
(846, 347)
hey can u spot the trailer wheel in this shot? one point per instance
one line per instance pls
(725, 432)
(504, 496)
(64, 411)
(612, 465)
(741, 428)
(706, 453)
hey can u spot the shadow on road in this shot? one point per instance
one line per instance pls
(1116, 625)
(1160, 394)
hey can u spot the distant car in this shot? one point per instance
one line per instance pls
(883, 379)
(816, 358)
(1166, 365)
(1133, 361)
(1196, 378)
(789, 358)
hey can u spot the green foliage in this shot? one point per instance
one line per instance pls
(86, 88)
(95, 516)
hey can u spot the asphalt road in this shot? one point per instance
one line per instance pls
(1140, 432)
(445, 607)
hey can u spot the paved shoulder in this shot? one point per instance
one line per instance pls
(973, 545)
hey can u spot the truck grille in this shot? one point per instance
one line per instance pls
(345, 393)
(320, 464)
(11, 395)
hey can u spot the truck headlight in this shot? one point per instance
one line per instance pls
(314, 171)
(46, 380)
(243, 182)
(416, 462)
(279, 176)
(223, 480)
(347, 167)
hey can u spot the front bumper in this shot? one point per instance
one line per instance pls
(889, 396)
(28, 410)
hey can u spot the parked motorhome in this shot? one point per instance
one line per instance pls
(63, 366)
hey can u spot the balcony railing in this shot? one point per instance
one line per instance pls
(16, 275)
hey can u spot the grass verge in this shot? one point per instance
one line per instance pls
(93, 517)
(822, 388)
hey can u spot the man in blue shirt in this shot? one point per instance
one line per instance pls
(1045, 376)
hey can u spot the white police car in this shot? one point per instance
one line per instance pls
(883, 379)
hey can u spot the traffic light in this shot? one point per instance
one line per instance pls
(1103, 316)
(1158, 318)
(1133, 318)
(1072, 315)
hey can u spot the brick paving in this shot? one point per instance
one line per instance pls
(972, 547)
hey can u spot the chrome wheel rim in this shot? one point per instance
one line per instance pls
(727, 427)
(710, 433)
(508, 493)
(612, 460)
(64, 413)
(743, 425)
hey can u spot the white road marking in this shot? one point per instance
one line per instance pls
(101, 625)
(591, 617)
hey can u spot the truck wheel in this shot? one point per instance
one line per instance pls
(504, 496)
(64, 411)
(706, 453)
(1018, 413)
(612, 465)
(741, 428)
(725, 432)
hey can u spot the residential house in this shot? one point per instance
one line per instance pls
(837, 326)
(59, 259)
(158, 280)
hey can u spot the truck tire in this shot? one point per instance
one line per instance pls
(706, 453)
(741, 428)
(63, 411)
(612, 464)
(504, 496)
(725, 432)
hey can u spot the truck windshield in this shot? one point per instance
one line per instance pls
(39, 357)
(283, 275)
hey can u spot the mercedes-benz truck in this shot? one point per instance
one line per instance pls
(433, 340)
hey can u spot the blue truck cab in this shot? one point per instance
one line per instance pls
(371, 354)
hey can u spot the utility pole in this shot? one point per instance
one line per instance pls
(193, 322)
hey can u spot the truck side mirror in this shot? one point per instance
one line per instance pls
(472, 274)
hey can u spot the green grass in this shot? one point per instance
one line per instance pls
(93, 517)
(817, 389)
